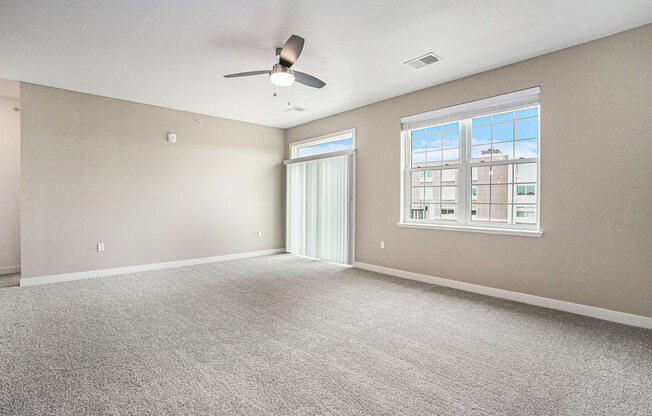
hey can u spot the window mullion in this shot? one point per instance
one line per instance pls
(462, 175)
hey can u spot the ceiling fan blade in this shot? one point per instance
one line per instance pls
(246, 74)
(291, 50)
(308, 80)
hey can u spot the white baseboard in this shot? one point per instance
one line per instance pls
(65, 277)
(9, 270)
(592, 311)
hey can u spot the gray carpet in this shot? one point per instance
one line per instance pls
(292, 336)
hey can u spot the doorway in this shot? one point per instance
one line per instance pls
(320, 204)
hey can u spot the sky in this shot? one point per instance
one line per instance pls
(343, 144)
(513, 133)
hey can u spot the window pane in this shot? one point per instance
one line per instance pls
(452, 156)
(526, 172)
(527, 128)
(481, 121)
(500, 213)
(448, 212)
(481, 212)
(429, 194)
(433, 130)
(526, 194)
(520, 190)
(482, 194)
(525, 214)
(526, 149)
(417, 178)
(482, 153)
(501, 194)
(418, 194)
(418, 144)
(501, 174)
(449, 193)
(432, 212)
(434, 157)
(449, 176)
(333, 146)
(452, 126)
(528, 112)
(420, 132)
(503, 131)
(482, 134)
(417, 211)
(436, 177)
(502, 117)
(452, 139)
(480, 174)
(434, 141)
(418, 159)
(503, 151)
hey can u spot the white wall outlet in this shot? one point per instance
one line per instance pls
(382, 243)
(172, 138)
(259, 234)
(100, 247)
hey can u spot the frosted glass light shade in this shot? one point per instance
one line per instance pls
(281, 79)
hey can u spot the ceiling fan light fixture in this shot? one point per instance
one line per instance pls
(281, 76)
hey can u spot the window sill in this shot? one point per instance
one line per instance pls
(472, 229)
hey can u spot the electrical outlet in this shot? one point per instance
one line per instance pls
(100, 247)
(259, 234)
(382, 243)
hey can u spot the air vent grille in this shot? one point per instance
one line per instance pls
(420, 62)
(297, 109)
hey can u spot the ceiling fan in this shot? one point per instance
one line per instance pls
(281, 75)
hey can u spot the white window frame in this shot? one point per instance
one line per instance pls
(327, 138)
(464, 114)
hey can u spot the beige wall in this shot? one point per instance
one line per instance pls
(9, 186)
(596, 173)
(99, 169)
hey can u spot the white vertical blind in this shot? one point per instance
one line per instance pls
(319, 208)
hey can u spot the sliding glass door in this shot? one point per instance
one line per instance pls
(320, 206)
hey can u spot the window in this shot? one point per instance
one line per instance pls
(344, 140)
(486, 152)
(525, 214)
(525, 190)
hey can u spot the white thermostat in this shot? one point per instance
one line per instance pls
(172, 138)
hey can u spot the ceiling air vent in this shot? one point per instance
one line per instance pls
(420, 62)
(296, 109)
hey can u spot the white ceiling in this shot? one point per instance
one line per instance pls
(173, 53)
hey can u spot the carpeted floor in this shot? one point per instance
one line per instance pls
(293, 336)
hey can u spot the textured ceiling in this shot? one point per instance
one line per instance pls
(173, 53)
